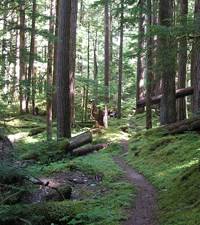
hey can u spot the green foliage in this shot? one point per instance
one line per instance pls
(100, 162)
(102, 210)
(9, 174)
(171, 164)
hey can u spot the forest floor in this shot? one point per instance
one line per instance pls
(143, 212)
(105, 187)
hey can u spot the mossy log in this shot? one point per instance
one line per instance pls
(79, 140)
(192, 124)
(85, 150)
(36, 131)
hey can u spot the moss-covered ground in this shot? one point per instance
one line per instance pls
(107, 207)
(171, 164)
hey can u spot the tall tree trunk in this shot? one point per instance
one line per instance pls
(107, 54)
(63, 70)
(34, 76)
(4, 55)
(22, 63)
(31, 57)
(167, 55)
(157, 84)
(50, 74)
(88, 75)
(140, 57)
(95, 72)
(33, 84)
(54, 104)
(181, 103)
(149, 67)
(80, 62)
(112, 77)
(73, 58)
(16, 67)
(120, 61)
(196, 60)
(83, 104)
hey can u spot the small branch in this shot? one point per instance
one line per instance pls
(40, 182)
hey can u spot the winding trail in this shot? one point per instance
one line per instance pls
(143, 212)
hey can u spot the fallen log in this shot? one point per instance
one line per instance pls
(36, 131)
(156, 99)
(192, 124)
(85, 150)
(79, 140)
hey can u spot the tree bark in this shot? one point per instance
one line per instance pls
(79, 140)
(31, 57)
(119, 100)
(50, 74)
(63, 71)
(112, 77)
(15, 81)
(55, 65)
(22, 64)
(33, 84)
(157, 84)
(107, 54)
(196, 60)
(74, 8)
(181, 103)
(140, 57)
(168, 59)
(88, 76)
(95, 72)
(149, 67)
(85, 150)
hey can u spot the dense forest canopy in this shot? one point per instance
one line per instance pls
(115, 53)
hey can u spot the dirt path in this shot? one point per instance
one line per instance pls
(143, 211)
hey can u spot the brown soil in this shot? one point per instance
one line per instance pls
(143, 212)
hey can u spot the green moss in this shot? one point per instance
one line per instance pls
(43, 151)
(172, 167)
(99, 162)
(45, 213)
(108, 208)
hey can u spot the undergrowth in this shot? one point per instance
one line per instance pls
(107, 207)
(171, 164)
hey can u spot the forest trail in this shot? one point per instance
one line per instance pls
(143, 212)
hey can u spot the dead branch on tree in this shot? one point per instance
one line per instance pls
(180, 93)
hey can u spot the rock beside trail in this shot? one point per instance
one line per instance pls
(61, 193)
